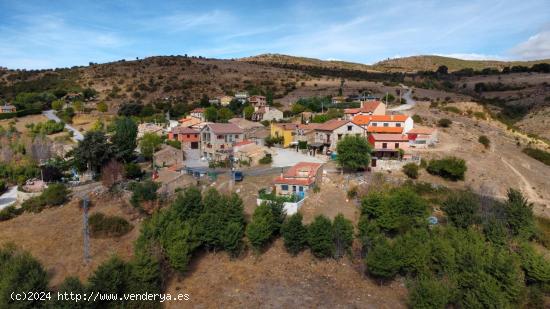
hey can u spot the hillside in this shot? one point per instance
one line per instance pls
(431, 63)
(279, 59)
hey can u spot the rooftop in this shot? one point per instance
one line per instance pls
(225, 128)
(366, 119)
(303, 173)
(373, 129)
(332, 124)
(183, 130)
(390, 137)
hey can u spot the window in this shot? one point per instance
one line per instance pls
(188, 136)
(374, 124)
(301, 189)
(349, 128)
(293, 188)
(236, 135)
(384, 145)
(396, 145)
(339, 136)
(386, 124)
(398, 124)
(284, 187)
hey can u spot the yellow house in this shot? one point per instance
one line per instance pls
(286, 130)
(225, 100)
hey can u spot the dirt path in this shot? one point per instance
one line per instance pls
(527, 187)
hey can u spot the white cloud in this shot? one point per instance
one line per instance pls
(536, 47)
(474, 56)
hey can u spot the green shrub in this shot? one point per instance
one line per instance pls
(417, 119)
(320, 237)
(174, 143)
(444, 122)
(145, 191)
(429, 293)
(484, 140)
(260, 230)
(452, 109)
(10, 212)
(342, 235)
(537, 154)
(294, 234)
(462, 209)
(108, 226)
(55, 194)
(132, 171)
(383, 261)
(450, 168)
(267, 159)
(411, 170)
(34, 204)
(480, 115)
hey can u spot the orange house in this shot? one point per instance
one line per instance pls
(188, 137)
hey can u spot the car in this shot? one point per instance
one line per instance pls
(238, 176)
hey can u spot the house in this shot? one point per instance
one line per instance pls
(399, 121)
(190, 122)
(284, 130)
(253, 131)
(257, 101)
(267, 113)
(329, 133)
(225, 100)
(299, 179)
(338, 99)
(422, 137)
(241, 96)
(388, 146)
(148, 127)
(217, 140)
(367, 108)
(248, 151)
(7, 108)
(198, 113)
(214, 101)
(188, 137)
(168, 156)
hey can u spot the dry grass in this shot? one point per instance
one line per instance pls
(21, 122)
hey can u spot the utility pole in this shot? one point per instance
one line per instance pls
(86, 230)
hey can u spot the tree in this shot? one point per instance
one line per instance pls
(442, 69)
(320, 237)
(462, 209)
(450, 167)
(444, 122)
(519, 214)
(58, 105)
(111, 173)
(536, 267)
(382, 261)
(224, 114)
(211, 114)
(112, 276)
(102, 107)
(260, 230)
(429, 293)
(148, 144)
(294, 234)
(188, 204)
(124, 138)
(69, 285)
(94, 151)
(353, 152)
(342, 230)
(248, 111)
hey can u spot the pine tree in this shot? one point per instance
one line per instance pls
(320, 237)
(342, 230)
(382, 261)
(260, 230)
(124, 138)
(294, 234)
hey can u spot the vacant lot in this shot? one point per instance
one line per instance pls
(22, 122)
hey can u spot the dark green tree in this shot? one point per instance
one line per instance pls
(93, 152)
(353, 152)
(294, 234)
(112, 276)
(342, 231)
(124, 138)
(429, 294)
(519, 214)
(462, 209)
(320, 237)
(383, 261)
(261, 229)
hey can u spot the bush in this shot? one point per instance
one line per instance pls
(462, 209)
(537, 154)
(10, 212)
(353, 152)
(55, 194)
(132, 171)
(411, 170)
(417, 119)
(320, 237)
(450, 168)
(382, 261)
(342, 234)
(267, 159)
(174, 143)
(294, 234)
(108, 226)
(484, 140)
(444, 122)
(429, 293)
(143, 192)
(260, 230)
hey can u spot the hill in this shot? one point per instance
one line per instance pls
(279, 59)
(431, 63)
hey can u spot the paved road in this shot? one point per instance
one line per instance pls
(408, 98)
(77, 136)
(8, 198)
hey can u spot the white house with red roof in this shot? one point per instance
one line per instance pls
(422, 137)
(388, 146)
(299, 179)
(367, 108)
(198, 113)
(392, 123)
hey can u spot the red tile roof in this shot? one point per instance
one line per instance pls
(366, 119)
(183, 130)
(245, 142)
(368, 107)
(389, 137)
(373, 129)
(198, 110)
(293, 177)
(225, 128)
(426, 131)
(332, 125)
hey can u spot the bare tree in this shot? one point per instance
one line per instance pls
(111, 173)
(40, 149)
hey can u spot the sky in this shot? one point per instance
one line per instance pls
(37, 34)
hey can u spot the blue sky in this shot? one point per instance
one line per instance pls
(48, 34)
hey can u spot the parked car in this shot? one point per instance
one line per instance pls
(238, 176)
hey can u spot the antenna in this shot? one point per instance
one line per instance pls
(86, 230)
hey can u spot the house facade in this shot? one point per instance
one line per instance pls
(422, 137)
(257, 101)
(7, 108)
(225, 100)
(284, 130)
(241, 96)
(332, 131)
(189, 138)
(198, 113)
(168, 156)
(367, 108)
(299, 179)
(387, 121)
(217, 140)
(388, 146)
(267, 113)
